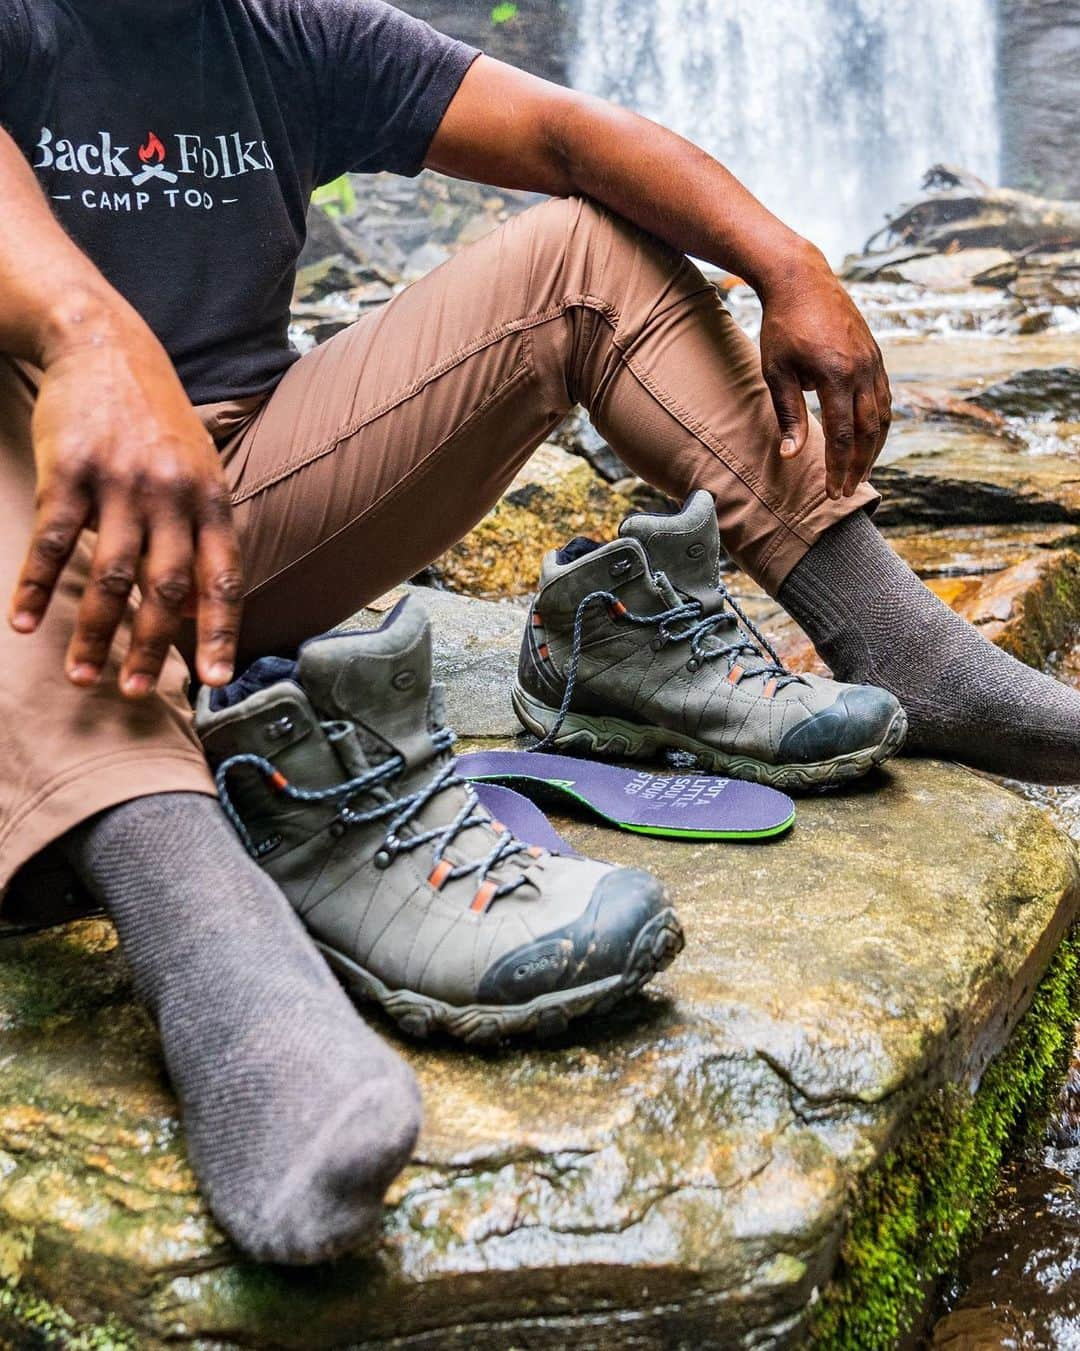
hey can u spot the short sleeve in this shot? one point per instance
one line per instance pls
(14, 45)
(385, 79)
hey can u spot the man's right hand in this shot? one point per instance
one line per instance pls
(119, 449)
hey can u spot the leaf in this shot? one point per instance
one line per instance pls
(503, 13)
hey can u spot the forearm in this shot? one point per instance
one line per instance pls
(513, 130)
(676, 191)
(52, 297)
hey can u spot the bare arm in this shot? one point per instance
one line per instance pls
(119, 449)
(514, 130)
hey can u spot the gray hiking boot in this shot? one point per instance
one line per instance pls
(336, 771)
(634, 647)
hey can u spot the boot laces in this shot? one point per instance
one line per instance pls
(401, 810)
(699, 627)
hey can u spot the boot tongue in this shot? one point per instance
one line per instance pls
(379, 679)
(685, 547)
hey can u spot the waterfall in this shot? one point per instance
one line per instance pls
(829, 110)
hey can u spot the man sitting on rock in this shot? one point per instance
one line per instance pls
(158, 431)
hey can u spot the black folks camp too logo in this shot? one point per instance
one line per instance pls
(186, 166)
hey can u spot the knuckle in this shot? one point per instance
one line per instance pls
(227, 587)
(51, 545)
(170, 589)
(114, 580)
(844, 438)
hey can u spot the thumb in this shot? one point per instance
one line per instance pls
(790, 406)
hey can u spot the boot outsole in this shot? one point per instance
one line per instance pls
(658, 943)
(614, 737)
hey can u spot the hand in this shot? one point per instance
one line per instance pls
(119, 449)
(813, 337)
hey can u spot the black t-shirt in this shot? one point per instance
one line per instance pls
(179, 141)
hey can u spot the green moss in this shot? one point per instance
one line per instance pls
(37, 1323)
(1050, 612)
(930, 1195)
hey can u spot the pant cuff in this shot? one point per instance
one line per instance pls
(94, 787)
(793, 544)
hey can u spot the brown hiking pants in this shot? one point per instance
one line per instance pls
(381, 448)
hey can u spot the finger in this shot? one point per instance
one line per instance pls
(105, 597)
(167, 581)
(838, 423)
(867, 438)
(59, 522)
(787, 397)
(883, 398)
(221, 593)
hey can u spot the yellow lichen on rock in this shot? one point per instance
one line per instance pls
(502, 555)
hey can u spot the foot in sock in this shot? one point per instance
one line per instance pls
(873, 620)
(297, 1116)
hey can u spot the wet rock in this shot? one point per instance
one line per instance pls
(577, 435)
(940, 476)
(1052, 392)
(941, 271)
(476, 652)
(326, 238)
(1039, 279)
(424, 258)
(959, 211)
(676, 1175)
(935, 403)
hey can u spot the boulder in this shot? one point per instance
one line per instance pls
(1050, 393)
(476, 645)
(936, 475)
(721, 1163)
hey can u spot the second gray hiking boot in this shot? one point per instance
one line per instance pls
(634, 647)
(336, 770)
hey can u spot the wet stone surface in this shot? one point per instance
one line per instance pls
(683, 1166)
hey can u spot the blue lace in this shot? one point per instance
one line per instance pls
(402, 810)
(700, 627)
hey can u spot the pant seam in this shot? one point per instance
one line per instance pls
(447, 364)
(521, 369)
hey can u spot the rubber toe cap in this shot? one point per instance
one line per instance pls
(597, 945)
(859, 719)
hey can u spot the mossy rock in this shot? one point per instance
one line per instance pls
(792, 1132)
(501, 556)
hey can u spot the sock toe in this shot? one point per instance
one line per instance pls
(331, 1199)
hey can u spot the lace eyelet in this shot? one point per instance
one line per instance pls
(337, 829)
(692, 664)
(656, 644)
(382, 860)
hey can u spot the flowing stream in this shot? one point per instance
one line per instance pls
(830, 110)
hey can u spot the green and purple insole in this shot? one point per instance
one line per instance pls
(679, 806)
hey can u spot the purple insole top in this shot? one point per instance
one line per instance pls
(693, 805)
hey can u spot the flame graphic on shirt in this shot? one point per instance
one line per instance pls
(152, 150)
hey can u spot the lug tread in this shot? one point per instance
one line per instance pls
(657, 945)
(616, 739)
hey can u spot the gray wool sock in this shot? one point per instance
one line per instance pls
(297, 1116)
(874, 622)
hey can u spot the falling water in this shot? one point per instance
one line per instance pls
(830, 110)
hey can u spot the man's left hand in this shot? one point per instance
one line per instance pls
(813, 337)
